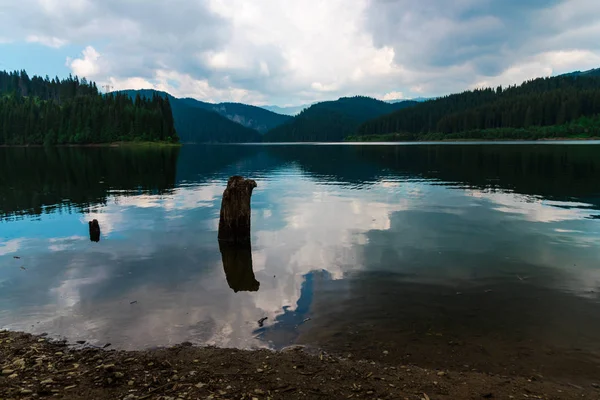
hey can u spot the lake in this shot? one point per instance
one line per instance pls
(465, 256)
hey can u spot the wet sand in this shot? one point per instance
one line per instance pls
(502, 327)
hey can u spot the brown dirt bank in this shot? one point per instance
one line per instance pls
(34, 367)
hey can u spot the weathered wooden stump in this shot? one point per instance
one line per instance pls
(237, 263)
(94, 231)
(234, 221)
(234, 235)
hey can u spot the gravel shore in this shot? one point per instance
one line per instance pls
(37, 367)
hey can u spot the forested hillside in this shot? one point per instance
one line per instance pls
(332, 120)
(253, 117)
(196, 125)
(48, 111)
(591, 72)
(538, 103)
(198, 122)
(249, 116)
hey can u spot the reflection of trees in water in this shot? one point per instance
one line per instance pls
(199, 163)
(548, 170)
(43, 179)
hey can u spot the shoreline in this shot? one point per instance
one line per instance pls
(477, 140)
(111, 144)
(35, 366)
(165, 144)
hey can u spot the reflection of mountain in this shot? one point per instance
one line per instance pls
(43, 179)
(551, 171)
(329, 162)
(81, 177)
(237, 263)
(205, 162)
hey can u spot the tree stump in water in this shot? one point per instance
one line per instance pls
(94, 231)
(234, 221)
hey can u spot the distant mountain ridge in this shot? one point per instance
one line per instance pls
(253, 117)
(417, 99)
(571, 99)
(249, 116)
(332, 120)
(590, 72)
(291, 110)
(295, 110)
(195, 122)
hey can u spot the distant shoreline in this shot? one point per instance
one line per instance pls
(110, 144)
(567, 139)
(350, 142)
(481, 140)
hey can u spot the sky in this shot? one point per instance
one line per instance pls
(289, 53)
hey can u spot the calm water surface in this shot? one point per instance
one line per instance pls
(473, 256)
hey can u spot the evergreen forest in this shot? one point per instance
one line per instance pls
(559, 106)
(332, 121)
(44, 111)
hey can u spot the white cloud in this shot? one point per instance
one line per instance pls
(545, 64)
(393, 96)
(270, 51)
(87, 66)
(10, 246)
(319, 87)
(181, 85)
(47, 41)
(531, 208)
(64, 243)
(128, 83)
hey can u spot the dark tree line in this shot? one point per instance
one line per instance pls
(536, 103)
(71, 111)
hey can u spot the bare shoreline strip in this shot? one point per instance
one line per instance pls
(36, 367)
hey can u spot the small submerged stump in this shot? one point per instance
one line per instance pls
(94, 231)
(234, 221)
